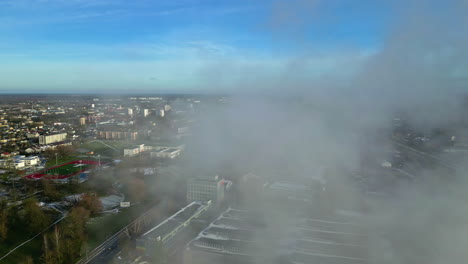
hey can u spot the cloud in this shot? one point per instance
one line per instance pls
(31, 4)
(33, 12)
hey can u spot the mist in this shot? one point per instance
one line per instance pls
(303, 124)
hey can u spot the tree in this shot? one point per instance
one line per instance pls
(65, 151)
(3, 220)
(51, 247)
(73, 234)
(14, 218)
(13, 192)
(27, 260)
(50, 190)
(47, 257)
(50, 153)
(91, 203)
(33, 215)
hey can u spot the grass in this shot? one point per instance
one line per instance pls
(95, 147)
(98, 147)
(66, 169)
(51, 162)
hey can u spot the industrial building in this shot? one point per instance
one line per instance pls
(166, 152)
(289, 192)
(54, 138)
(166, 230)
(206, 189)
(226, 240)
(239, 236)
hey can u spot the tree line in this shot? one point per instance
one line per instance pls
(64, 242)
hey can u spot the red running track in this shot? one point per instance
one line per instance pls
(42, 175)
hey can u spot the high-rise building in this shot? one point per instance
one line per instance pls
(48, 139)
(145, 112)
(82, 121)
(130, 112)
(206, 189)
(167, 107)
(161, 112)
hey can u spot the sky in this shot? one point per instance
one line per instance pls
(182, 45)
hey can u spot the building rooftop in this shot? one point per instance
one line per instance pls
(303, 240)
(289, 187)
(166, 228)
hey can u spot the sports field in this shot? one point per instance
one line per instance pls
(63, 171)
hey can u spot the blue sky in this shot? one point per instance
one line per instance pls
(183, 45)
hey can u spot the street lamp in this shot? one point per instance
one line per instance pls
(56, 159)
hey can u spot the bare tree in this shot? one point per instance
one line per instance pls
(91, 203)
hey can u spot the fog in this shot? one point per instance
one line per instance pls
(299, 124)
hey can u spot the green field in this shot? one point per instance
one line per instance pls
(102, 146)
(67, 169)
(54, 162)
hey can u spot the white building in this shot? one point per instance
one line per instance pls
(130, 112)
(166, 152)
(49, 139)
(130, 152)
(32, 135)
(167, 107)
(161, 113)
(145, 112)
(182, 130)
(206, 189)
(31, 150)
(135, 150)
(19, 162)
(31, 161)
